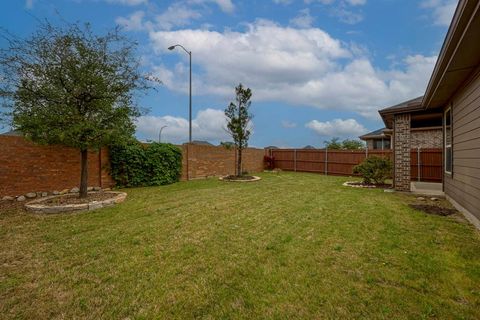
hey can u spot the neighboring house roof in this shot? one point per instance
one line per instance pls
(379, 133)
(203, 143)
(309, 147)
(459, 56)
(16, 133)
(411, 105)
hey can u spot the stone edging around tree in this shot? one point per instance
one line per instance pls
(255, 178)
(36, 206)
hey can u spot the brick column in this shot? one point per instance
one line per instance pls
(401, 147)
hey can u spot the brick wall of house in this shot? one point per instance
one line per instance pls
(402, 145)
(26, 167)
(426, 138)
(206, 161)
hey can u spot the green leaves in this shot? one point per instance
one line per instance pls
(66, 85)
(374, 169)
(347, 144)
(239, 117)
(134, 164)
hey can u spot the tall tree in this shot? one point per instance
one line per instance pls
(333, 144)
(239, 121)
(66, 85)
(351, 144)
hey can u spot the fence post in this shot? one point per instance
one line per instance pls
(366, 153)
(419, 168)
(326, 161)
(295, 160)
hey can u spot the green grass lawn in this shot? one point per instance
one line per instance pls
(287, 247)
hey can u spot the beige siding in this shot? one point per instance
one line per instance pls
(464, 184)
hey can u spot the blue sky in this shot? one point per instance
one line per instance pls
(318, 68)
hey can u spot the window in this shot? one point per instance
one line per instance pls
(448, 140)
(380, 144)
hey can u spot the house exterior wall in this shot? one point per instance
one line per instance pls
(426, 138)
(463, 185)
(401, 147)
(369, 143)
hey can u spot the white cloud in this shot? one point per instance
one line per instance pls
(128, 2)
(442, 10)
(356, 2)
(337, 128)
(29, 4)
(303, 19)
(134, 22)
(209, 125)
(288, 124)
(176, 15)
(284, 2)
(225, 5)
(347, 16)
(297, 66)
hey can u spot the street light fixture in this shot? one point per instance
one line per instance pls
(190, 104)
(160, 134)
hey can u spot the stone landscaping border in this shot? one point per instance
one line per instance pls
(354, 184)
(255, 178)
(36, 206)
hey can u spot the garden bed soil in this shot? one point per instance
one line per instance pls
(233, 178)
(358, 184)
(74, 199)
(433, 209)
(72, 203)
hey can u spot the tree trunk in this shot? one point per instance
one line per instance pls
(239, 162)
(84, 174)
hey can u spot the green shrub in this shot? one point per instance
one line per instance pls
(374, 169)
(134, 164)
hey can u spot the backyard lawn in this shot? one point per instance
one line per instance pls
(287, 247)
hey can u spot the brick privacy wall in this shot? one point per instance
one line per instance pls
(207, 161)
(401, 147)
(26, 167)
(426, 138)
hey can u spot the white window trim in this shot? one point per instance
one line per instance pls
(449, 109)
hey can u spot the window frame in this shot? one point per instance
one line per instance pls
(445, 146)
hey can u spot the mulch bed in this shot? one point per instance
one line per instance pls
(433, 209)
(74, 199)
(241, 178)
(369, 185)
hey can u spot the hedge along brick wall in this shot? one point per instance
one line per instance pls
(26, 167)
(206, 161)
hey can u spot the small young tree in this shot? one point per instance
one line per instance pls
(66, 85)
(239, 121)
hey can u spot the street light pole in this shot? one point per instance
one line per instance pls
(160, 134)
(190, 103)
(190, 91)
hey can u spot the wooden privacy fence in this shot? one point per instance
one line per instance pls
(341, 162)
(429, 162)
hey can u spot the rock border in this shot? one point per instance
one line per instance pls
(349, 184)
(255, 178)
(36, 206)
